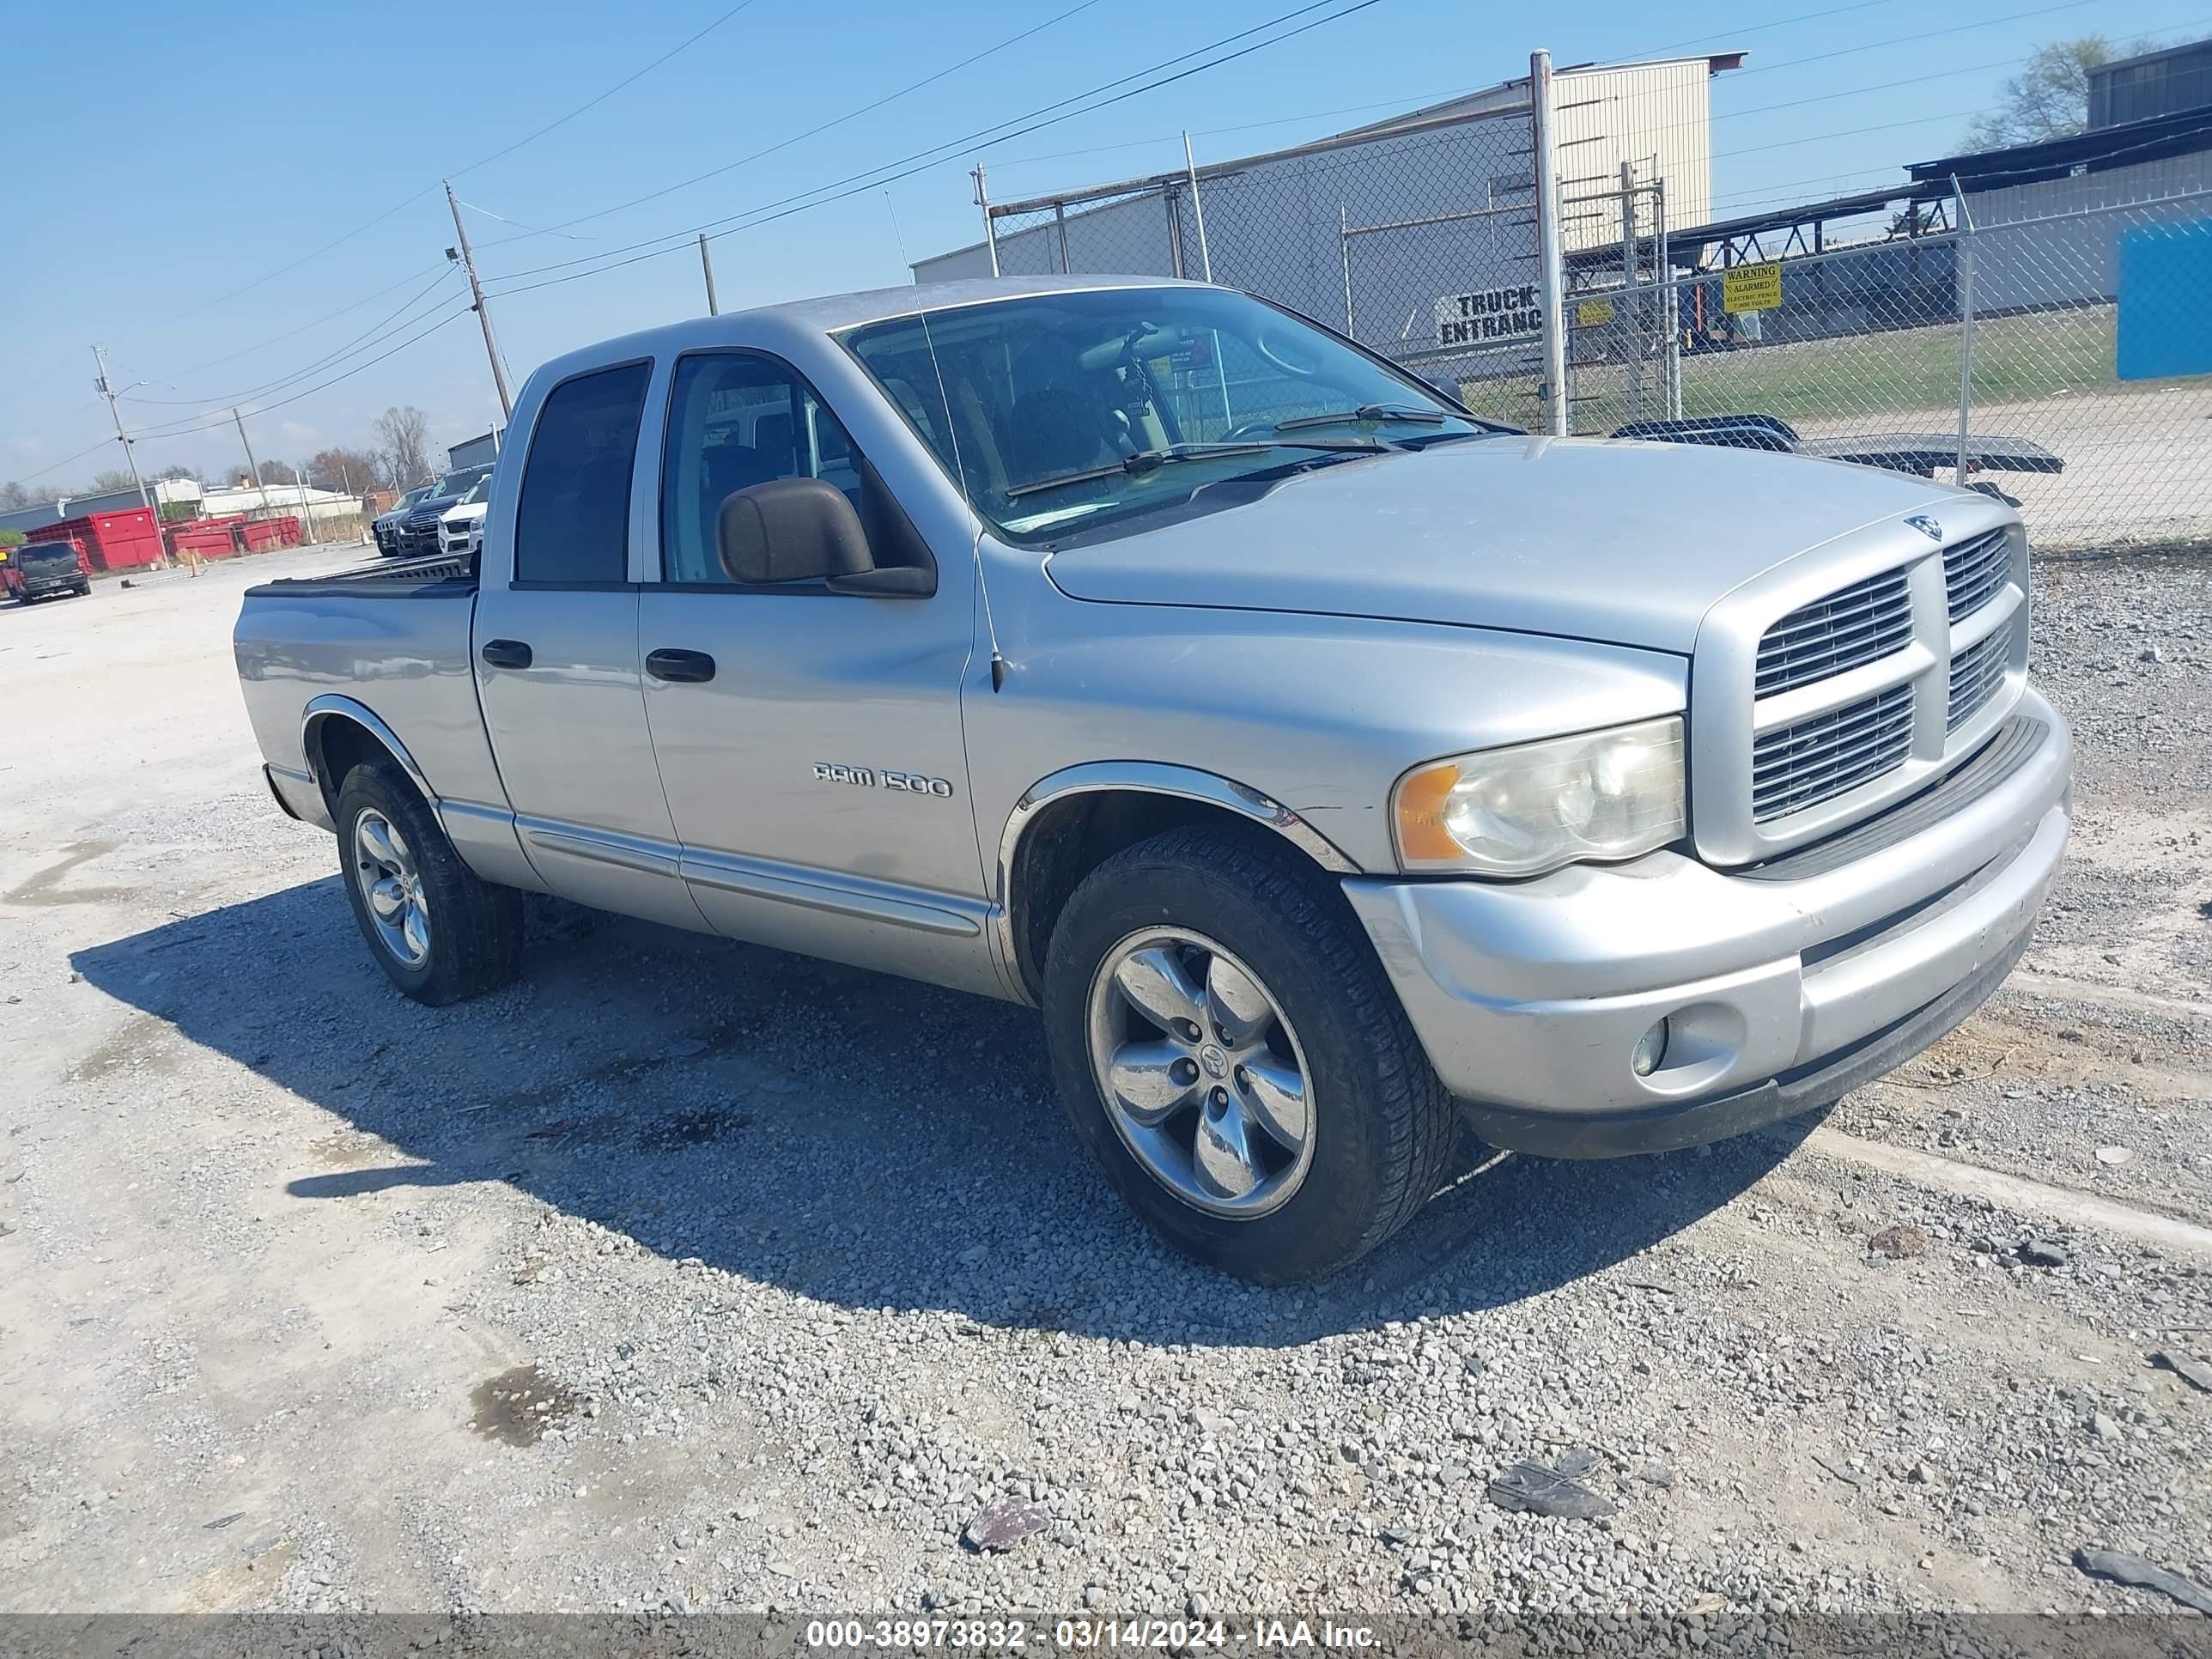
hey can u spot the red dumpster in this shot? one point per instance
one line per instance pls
(111, 541)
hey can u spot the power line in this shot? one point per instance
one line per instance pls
(66, 460)
(849, 115)
(1755, 28)
(1908, 40)
(682, 46)
(409, 201)
(921, 160)
(367, 299)
(183, 428)
(373, 335)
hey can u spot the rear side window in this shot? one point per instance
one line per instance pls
(572, 524)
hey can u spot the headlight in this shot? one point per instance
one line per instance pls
(1533, 807)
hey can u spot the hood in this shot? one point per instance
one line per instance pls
(1616, 540)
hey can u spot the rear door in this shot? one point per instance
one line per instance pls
(556, 658)
(809, 741)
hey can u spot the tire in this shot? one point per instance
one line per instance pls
(469, 940)
(1380, 1132)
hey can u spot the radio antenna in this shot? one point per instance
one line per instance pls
(959, 467)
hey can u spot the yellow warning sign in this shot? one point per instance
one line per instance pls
(1593, 313)
(1752, 288)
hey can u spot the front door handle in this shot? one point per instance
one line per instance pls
(684, 667)
(506, 654)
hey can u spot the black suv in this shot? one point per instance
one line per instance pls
(35, 570)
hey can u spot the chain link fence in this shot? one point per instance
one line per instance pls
(1418, 241)
(2033, 342)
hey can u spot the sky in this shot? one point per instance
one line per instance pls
(242, 204)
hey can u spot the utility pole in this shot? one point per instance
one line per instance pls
(707, 265)
(307, 518)
(252, 467)
(100, 356)
(475, 292)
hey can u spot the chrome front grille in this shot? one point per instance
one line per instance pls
(1816, 704)
(1974, 570)
(1810, 761)
(1856, 625)
(1975, 674)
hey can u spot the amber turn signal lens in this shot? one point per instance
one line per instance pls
(1421, 831)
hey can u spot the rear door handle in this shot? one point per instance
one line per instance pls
(506, 654)
(684, 667)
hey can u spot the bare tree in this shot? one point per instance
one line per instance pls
(404, 437)
(341, 468)
(2050, 97)
(180, 470)
(13, 496)
(112, 482)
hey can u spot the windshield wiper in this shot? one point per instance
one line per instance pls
(1145, 460)
(1412, 413)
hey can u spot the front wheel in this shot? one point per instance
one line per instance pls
(440, 932)
(1230, 1054)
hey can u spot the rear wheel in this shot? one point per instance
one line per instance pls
(1230, 1054)
(440, 932)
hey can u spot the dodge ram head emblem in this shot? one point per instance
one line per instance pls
(1926, 526)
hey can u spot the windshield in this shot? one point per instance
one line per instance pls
(461, 482)
(1052, 394)
(46, 553)
(421, 492)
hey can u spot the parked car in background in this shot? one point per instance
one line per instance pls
(384, 528)
(422, 532)
(1329, 766)
(40, 570)
(462, 529)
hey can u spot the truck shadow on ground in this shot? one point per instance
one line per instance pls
(857, 1139)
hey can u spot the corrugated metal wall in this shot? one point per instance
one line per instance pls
(1657, 118)
(2045, 244)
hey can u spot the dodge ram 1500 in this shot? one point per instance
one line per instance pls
(1329, 766)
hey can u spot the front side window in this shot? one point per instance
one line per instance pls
(1056, 411)
(571, 523)
(737, 419)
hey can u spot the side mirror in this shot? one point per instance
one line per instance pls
(791, 530)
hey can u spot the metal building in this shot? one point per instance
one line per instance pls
(1652, 117)
(2163, 82)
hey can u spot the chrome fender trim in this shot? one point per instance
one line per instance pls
(321, 709)
(1144, 777)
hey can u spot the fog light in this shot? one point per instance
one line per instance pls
(1650, 1049)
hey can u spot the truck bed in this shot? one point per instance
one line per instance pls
(440, 576)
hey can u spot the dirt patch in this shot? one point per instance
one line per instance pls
(131, 1050)
(45, 888)
(517, 1406)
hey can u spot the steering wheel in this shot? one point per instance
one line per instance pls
(1248, 430)
(1269, 344)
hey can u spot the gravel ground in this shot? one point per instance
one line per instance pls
(687, 1276)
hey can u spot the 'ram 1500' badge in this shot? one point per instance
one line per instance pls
(907, 783)
(1926, 526)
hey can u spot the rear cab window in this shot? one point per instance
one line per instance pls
(572, 519)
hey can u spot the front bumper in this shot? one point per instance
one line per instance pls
(1785, 985)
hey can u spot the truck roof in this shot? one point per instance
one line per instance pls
(831, 313)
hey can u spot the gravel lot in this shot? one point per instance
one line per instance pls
(681, 1275)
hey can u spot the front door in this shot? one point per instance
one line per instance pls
(809, 741)
(556, 662)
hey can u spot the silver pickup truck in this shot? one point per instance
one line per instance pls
(1329, 766)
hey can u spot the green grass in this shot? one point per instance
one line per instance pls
(1862, 378)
